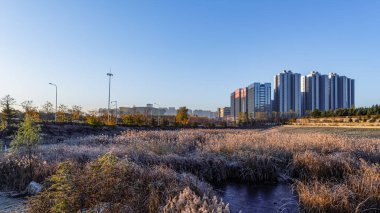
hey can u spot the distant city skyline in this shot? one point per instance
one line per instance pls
(294, 95)
(180, 53)
(153, 110)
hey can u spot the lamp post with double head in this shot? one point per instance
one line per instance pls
(109, 95)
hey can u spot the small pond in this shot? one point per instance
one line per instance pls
(8, 204)
(262, 198)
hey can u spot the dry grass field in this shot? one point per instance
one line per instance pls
(360, 132)
(331, 169)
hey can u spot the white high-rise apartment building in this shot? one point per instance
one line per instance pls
(287, 93)
(315, 92)
(341, 91)
(311, 91)
(333, 91)
(346, 90)
(324, 100)
(302, 94)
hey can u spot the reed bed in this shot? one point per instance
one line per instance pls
(109, 184)
(331, 172)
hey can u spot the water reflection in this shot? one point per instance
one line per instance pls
(8, 204)
(264, 198)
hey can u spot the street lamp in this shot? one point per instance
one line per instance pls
(158, 112)
(109, 94)
(56, 99)
(115, 102)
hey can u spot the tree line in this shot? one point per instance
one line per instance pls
(9, 113)
(360, 111)
(46, 113)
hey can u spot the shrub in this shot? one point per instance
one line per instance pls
(93, 120)
(182, 117)
(133, 120)
(3, 124)
(27, 139)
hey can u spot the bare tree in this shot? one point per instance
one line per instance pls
(47, 111)
(62, 113)
(48, 108)
(76, 112)
(27, 105)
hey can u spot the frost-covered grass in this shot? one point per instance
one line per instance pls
(110, 184)
(331, 171)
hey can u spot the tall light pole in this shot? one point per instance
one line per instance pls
(115, 102)
(56, 100)
(109, 95)
(158, 112)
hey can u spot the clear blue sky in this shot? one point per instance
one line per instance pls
(176, 53)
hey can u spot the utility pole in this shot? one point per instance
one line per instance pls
(109, 96)
(56, 100)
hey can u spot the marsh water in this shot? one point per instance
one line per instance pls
(264, 198)
(8, 204)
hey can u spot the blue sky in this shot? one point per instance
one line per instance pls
(181, 53)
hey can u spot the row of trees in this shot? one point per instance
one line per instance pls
(182, 119)
(138, 119)
(9, 112)
(46, 112)
(360, 111)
